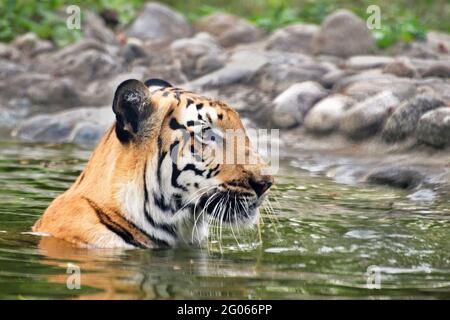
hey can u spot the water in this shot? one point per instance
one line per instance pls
(321, 243)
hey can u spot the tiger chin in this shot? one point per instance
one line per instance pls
(156, 178)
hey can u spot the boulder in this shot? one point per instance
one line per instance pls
(88, 65)
(400, 177)
(199, 55)
(293, 38)
(230, 30)
(439, 69)
(30, 45)
(434, 127)
(159, 22)
(241, 68)
(9, 69)
(403, 122)
(325, 116)
(9, 52)
(401, 68)
(369, 83)
(55, 92)
(367, 117)
(291, 106)
(94, 27)
(282, 71)
(82, 125)
(367, 62)
(343, 34)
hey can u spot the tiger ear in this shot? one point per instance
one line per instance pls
(132, 108)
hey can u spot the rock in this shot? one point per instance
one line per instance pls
(15, 110)
(229, 30)
(325, 116)
(367, 117)
(329, 79)
(282, 71)
(159, 22)
(58, 92)
(367, 62)
(94, 28)
(369, 83)
(401, 68)
(400, 177)
(291, 106)
(199, 55)
(88, 65)
(9, 69)
(30, 45)
(241, 68)
(343, 34)
(293, 38)
(403, 122)
(133, 50)
(438, 69)
(83, 125)
(434, 127)
(9, 52)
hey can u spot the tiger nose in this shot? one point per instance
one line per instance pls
(261, 184)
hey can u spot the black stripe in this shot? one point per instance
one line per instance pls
(168, 228)
(114, 227)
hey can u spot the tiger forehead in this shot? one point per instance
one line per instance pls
(187, 106)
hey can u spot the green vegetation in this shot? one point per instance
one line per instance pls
(400, 20)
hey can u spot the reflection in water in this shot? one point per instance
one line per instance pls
(319, 243)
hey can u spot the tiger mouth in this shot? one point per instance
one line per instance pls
(230, 206)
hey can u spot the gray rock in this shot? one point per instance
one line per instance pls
(88, 65)
(368, 62)
(400, 177)
(230, 30)
(159, 22)
(13, 111)
(55, 92)
(325, 116)
(343, 34)
(94, 28)
(367, 117)
(434, 127)
(8, 52)
(30, 45)
(83, 125)
(291, 106)
(329, 79)
(401, 68)
(293, 38)
(9, 69)
(241, 68)
(403, 121)
(369, 83)
(199, 55)
(282, 71)
(133, 50)
(438, 69)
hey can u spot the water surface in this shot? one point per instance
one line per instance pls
(319, 242)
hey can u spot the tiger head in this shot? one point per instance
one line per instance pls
(191, 174)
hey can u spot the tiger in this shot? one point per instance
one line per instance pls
(146, 185)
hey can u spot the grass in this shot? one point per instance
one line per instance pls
(400, 20)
